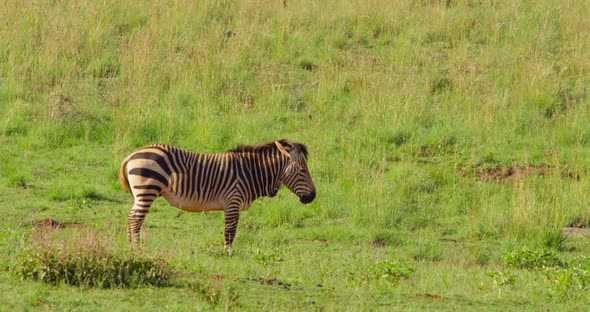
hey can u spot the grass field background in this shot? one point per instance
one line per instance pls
(448, 140)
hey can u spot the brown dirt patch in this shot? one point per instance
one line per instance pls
(427, 297)
(274, 281)
(575, 232)
(501, 173)
(379, 242)
(53, 224)
(506, 173)
(215, 277)
(580, 221)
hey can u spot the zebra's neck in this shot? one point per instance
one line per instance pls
(262, 173)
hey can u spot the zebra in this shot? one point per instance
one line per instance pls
(229, 181)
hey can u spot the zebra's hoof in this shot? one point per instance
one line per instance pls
(229, 250)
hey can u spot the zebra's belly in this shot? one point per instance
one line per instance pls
(193, 205)
(197, 207)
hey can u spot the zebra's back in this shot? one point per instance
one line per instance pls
(188, 180)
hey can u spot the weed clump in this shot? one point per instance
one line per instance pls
(526, 258)
(266, 258)
(87, 262)
(382, 275)
(566, 281)
(94, 269)
(390, 273)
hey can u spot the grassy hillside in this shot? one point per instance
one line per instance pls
(448, 142)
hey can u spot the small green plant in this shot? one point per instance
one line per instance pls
(266, 258)
(566, 284)
(500, 281)
(526, 258)
(211, 295)
(78, 204)
(390, 272)
(216, 293)
(582, 263)
(502, 278)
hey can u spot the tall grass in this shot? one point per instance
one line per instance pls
(386, 85)
(432, 125)
(456, 86)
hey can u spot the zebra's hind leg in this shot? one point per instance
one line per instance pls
(133, 228)
(137, 215)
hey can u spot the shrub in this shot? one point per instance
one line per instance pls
(526, 258)
(88, 262)
(94, 269)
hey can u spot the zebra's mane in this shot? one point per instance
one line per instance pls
(271, 145)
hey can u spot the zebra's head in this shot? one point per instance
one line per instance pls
(295, 175)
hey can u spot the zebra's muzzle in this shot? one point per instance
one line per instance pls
(308, 198)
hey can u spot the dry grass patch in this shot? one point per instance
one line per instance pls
(87, 260)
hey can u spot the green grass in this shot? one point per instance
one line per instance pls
(444, 136)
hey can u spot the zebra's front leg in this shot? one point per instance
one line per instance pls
(232, 216)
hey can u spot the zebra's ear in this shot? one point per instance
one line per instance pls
(282, 149)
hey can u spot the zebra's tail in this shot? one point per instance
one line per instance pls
(123, 176)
